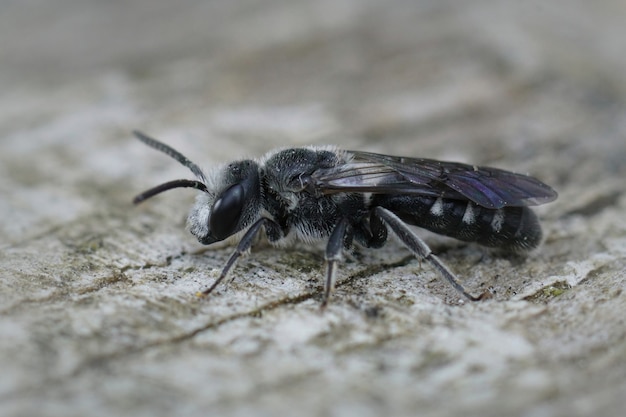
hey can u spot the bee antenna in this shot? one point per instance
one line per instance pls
(168, 186)
(153, 143)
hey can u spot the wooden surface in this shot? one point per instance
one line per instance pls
(97, 308)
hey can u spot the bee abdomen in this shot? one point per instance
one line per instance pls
(509, 228)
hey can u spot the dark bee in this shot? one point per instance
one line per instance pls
(343, 196)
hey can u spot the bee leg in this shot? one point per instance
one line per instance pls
(242, 247)
(421, 250)
(335, 245)
(378, 231)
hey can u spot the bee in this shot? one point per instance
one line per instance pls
(321, 192)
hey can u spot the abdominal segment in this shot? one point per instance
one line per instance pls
(509, 228)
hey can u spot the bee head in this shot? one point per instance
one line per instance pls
(229, 202)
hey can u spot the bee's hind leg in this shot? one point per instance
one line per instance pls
(421, 250)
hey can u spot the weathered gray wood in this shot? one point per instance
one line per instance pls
(97, 308)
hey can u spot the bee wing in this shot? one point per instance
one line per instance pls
(383, 174)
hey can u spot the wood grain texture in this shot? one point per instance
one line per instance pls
(97, 308)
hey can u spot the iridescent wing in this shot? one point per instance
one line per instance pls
(383, 174)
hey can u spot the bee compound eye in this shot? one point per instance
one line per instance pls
(226, 212)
